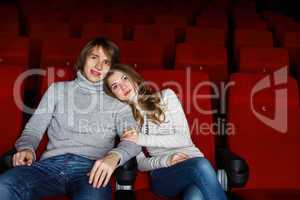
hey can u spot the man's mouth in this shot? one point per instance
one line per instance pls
(95, 73)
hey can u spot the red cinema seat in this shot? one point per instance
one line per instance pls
(131, 18)
(60, 52)
(262, 60)
(250, 23)
(11, 103)
(45, 30)
(109, 30)
(14, 51)
(154, 33)
(157, 34)
(9, 28)
(264, 113)
(251, 38)
(282, 27)
(292, 43)
(206, 37)
(144, 55)
(9, 20)
(212, 21)
(212, 60)
(177, 21)
(185, 89)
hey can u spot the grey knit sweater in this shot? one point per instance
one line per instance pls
(167, 138)
(81, 119)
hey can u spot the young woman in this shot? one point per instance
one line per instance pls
(177, 166)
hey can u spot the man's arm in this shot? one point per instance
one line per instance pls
(104, 168)
(36, 127)
(125, 121)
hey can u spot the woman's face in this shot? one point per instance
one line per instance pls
(97, 65)
(122, 87)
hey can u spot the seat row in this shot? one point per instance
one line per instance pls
(262, 123)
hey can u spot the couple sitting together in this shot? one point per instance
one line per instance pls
(83, 117)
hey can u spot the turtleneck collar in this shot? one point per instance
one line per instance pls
(85, 84)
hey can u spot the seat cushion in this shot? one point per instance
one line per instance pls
(267, 194)
(146, 194)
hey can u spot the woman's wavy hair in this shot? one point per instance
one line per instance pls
(148, 100)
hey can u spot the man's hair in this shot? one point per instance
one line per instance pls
(110, 49)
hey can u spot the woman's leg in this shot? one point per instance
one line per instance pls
(175, 179)
(192, 192)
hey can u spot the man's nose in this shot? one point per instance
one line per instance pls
(99, 64)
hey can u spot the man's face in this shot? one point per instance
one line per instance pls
(97, 65)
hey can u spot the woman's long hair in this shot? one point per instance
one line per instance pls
(149, 101)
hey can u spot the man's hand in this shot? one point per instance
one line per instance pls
(177, 158)
(24, 157)
(103, 169)
(131, 136)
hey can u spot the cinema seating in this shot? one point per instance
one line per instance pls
(206, 37)
(14, 50)
(60, 52)
(262, 60)
(265, 111)
(210, 59)
(11, 103)
(144, 55)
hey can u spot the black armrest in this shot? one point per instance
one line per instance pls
(6, 160)
(126, 174)
(236, 167)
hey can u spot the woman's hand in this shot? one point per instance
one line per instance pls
(177, 158)
(103, 169)
(131, 136)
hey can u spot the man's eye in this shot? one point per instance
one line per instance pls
(107, 62)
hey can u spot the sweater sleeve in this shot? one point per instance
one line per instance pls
(38, 123)
(125, 121)
(176, 133)
(151, 163)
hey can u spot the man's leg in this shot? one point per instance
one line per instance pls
(32, 182)
(78, 186)
(82, 190)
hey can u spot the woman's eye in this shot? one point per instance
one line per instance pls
(114, 87)
(124, 77)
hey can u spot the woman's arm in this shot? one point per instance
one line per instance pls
(176, 134)
(151, 163)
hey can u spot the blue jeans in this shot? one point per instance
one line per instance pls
(56, 176)
(193, 179)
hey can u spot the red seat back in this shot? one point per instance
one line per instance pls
(266, 133)
(11, 113)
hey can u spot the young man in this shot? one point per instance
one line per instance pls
(82, 123)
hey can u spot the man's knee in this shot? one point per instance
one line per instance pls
(7, 191)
